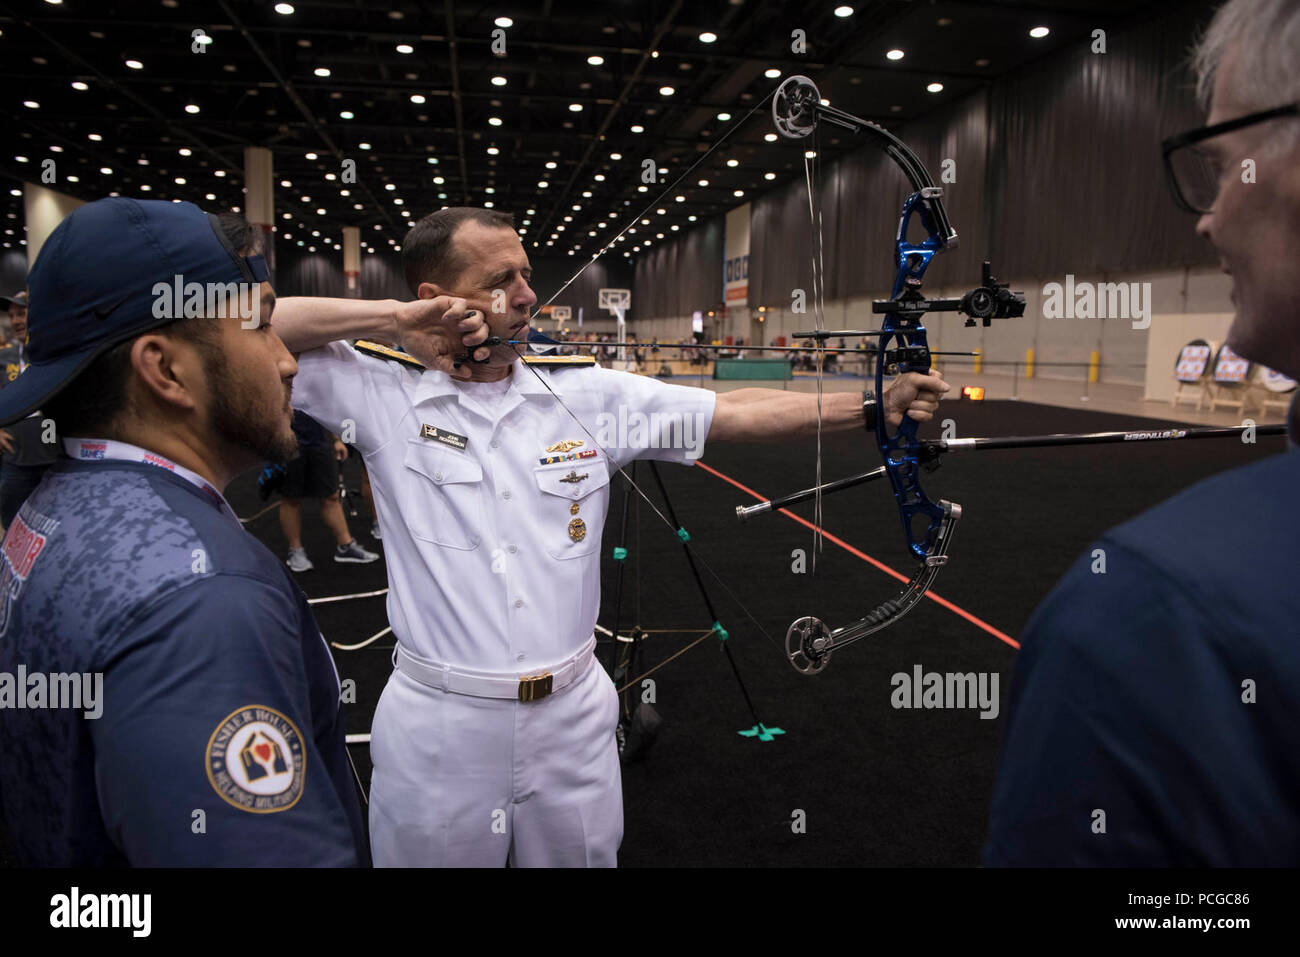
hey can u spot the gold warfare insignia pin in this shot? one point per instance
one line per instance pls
(568, 445)
(577, 529)
(573, 478)
(573, 509)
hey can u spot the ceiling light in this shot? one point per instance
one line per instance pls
(707, 37)
(894, 55)
(185, 151)
(733, 162)
(78, 85)
(809, 154)
(309, 156)
(31, 104)
(504, 22)
(844, 11)
(575, 107)
(551, 165)
(769, 176)
(284, 8)
(405, 48)
(346, 115)
(724, 117)
(666, 91)
(498, 81)
(1039, 32)
(494, 121)
(771, 73)
(595, 60)
(363, 146)
(738, 192)
(322, 71)
(703, 182)
(935, 88)
(770, 137)
(94, 137)
(638, 128)
(492, 151)
(616, 156)
(191, 108)
(135, 64)
(417, 98)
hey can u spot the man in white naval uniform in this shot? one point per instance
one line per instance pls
(494, 738)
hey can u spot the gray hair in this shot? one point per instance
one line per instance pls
(1265, 34)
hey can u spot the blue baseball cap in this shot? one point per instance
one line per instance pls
(92, 286)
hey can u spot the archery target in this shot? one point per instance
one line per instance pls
(1276, 381)
(1193, 361)
(1231, 369)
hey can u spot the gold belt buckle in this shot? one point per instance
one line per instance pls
(535, 687)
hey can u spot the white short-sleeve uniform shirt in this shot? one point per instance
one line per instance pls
(487, 568)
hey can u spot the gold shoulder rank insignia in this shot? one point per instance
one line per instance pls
(559, 360)
(384, 352)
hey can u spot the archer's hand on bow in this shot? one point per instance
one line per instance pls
(914, 395)
(437, 330)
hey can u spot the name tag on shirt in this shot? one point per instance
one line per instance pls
(460, 442)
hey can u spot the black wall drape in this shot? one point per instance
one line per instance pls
(675, 278)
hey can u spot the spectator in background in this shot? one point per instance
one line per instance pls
(26, 456)
(315, 474)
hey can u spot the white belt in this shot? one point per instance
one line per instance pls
(532, 687)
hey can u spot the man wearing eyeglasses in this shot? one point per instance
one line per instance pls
(1154, 707)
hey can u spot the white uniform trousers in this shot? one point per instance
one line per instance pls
(461, 781)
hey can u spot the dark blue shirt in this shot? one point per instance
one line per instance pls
(1165, 693)
(219, 694)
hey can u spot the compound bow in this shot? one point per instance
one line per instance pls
(902, 347)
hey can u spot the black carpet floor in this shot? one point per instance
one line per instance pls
(872, 785)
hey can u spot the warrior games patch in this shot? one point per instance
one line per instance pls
(255, 760)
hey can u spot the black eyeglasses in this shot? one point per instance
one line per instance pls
(1194, 176)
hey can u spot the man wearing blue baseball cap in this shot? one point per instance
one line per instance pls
(166, 697)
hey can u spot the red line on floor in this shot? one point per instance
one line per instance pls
(955, 609)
